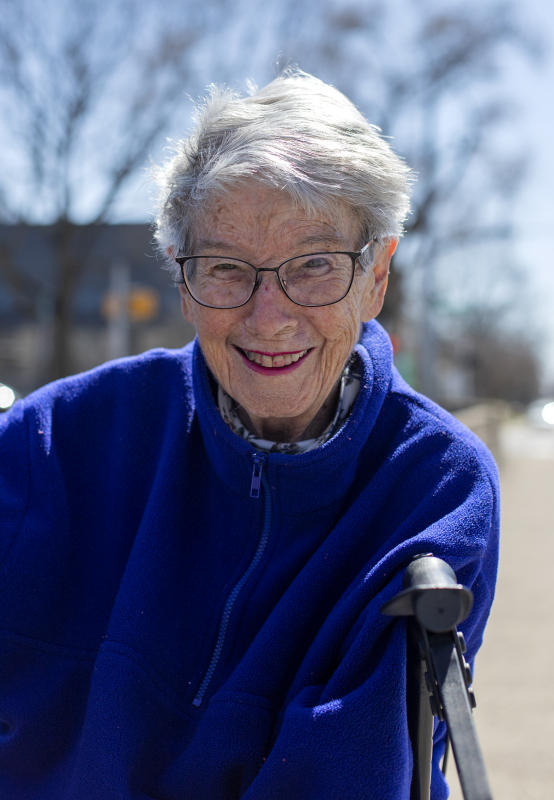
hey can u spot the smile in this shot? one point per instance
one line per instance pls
(273, 362)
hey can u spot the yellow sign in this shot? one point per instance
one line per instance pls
(142, 304)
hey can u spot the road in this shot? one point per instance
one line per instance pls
(514, 677)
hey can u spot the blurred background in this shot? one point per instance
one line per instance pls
(91, 93)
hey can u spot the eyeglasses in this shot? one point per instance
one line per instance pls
(312, 279)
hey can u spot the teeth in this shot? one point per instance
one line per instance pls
(281, 360)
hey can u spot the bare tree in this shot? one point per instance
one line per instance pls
(487, 321)
(87, 89)
(503, 362)
(427, 73)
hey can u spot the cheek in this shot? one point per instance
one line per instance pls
(348, 320)
(213, 333)
(341, 333)
(211, 338)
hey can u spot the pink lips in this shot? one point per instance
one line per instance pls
(259, 361)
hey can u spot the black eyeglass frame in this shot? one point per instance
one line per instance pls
(354, 255)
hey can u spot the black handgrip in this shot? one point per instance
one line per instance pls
(432, 595)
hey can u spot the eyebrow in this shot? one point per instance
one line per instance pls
(317, 238)
(213, 244)
(327, 238)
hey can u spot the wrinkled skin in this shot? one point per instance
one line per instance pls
(261, 225)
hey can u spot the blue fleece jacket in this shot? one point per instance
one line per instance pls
(182, 618)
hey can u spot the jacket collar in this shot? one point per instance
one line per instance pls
(304, 481)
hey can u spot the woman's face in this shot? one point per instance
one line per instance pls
(281, 362)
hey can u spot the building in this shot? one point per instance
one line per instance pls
(92, 292)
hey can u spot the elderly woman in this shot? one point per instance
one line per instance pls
(196, 543)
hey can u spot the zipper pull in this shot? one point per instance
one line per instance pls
(256, 475)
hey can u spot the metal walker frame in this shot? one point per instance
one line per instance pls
(439, 678)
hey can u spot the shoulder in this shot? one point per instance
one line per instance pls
(120, 405)
(418, 463)
(411, 433)
(123, 375)
(429, 429)
(429, 480)
(144, 382)
(442, 486)
(85, 434)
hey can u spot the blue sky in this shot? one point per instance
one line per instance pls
(534, 90)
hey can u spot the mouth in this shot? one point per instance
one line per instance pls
(273, 362)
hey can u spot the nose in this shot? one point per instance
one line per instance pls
(269, 311)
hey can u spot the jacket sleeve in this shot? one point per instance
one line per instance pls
(348, 738)
(353, 746)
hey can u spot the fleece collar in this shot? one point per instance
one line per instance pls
(306, 480)
(349, 386)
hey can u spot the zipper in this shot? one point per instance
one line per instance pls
(258, 480)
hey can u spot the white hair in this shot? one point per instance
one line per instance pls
(297, 134)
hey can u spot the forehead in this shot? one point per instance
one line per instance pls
(255, 219)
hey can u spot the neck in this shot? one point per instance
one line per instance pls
(292, 429)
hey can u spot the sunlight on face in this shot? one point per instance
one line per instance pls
(280, 361)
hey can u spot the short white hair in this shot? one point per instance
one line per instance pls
(297, 134)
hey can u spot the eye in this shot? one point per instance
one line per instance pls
(318, 262)
(227, 270)
(224, 266)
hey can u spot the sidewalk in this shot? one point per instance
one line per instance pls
(514, 677)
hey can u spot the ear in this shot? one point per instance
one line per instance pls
(187, 305)
(186, 302)
(374, 294)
